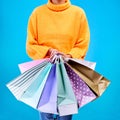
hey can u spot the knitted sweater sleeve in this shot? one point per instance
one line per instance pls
(81, 46)
(33, 48)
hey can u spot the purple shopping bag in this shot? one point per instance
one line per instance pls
(48, 100)
(82, 92)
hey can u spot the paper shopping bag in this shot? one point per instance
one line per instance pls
(98, 83)
(82, 92)
(27, 65)
(67, 103)
(48, 99)
(86, 63)
(23, 81)
(33, 93)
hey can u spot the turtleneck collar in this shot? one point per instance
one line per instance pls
(58, 7)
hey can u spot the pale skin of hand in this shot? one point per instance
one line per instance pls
(52, 52)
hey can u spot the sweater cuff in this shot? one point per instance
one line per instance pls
(44, 51)
(75, 53)
(37, 52)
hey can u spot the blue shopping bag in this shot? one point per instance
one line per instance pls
(23, 81)
(32, 94)
(66, 100)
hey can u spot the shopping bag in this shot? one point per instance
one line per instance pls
(27, 65)
(33, 93)
(82, 92)
(23, 81)
(97, 82)
(48, 99)
(66, 101)
(86, 63)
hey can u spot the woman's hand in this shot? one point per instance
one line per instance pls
(52, 52)
(67, 56)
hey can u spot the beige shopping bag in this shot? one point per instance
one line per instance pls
(97, 82)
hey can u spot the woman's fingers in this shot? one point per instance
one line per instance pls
(54, 52)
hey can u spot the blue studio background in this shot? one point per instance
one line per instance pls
(103, 17)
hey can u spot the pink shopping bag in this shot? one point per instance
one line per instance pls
(27, 65)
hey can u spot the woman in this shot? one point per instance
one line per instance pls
(57, 28)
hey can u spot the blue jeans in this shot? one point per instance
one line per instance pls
(48, 116)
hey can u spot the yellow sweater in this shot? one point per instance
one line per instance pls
(63, 27)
